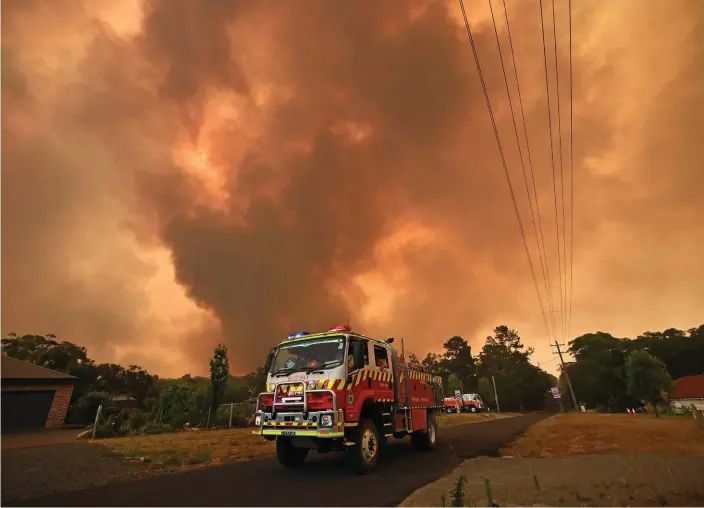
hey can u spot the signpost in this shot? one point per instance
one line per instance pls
(557, 395)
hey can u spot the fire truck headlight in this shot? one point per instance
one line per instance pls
(326, 421)
(257, 420)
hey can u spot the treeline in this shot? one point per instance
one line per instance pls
(613, 374)
(151, 404)
(520, 385)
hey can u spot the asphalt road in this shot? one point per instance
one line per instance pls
(324, 480)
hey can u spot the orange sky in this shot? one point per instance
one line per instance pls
(178, 173)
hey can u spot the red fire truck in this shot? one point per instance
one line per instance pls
(471, 403)
(340, 390)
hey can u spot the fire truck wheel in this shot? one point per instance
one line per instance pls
(289, 455)
(473, 409)
(365, 451)
(427, 440)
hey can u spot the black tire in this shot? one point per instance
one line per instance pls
(365, 452)
(427, 440)
(473, 409)
(289, 455)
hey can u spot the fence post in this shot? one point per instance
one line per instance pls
(207, 425)
(97, 418)
(231, 406)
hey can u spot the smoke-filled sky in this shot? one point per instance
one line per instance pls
(180, 173)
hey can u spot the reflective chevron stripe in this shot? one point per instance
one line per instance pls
(422, 376)
(289, 424)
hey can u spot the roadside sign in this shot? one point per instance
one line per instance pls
(555, 392)
(458, 395)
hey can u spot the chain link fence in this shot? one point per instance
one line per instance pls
(113, 422)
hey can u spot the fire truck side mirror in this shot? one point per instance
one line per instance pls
(269, 359)
(358, 354)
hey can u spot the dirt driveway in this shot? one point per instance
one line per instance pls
(41, 437)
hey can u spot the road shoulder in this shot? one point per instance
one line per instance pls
(601, 480)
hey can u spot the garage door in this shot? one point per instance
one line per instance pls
(25, 410)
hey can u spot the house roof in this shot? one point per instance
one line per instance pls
(688, 387)
(18, 369)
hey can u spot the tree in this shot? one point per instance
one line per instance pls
(432, 364)
(413, 361)
(681, 352)
(599, 375)
(458, 360)
(486, 390)
(255, 381)
(219, 374)
(520, 385)
(453, 384)
(647, 377)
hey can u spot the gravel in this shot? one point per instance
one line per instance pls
(44, 470)
(585, 480)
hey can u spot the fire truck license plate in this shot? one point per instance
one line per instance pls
(288, 432)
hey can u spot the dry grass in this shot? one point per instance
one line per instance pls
(587, 433)
(186, 450)
(450, 420)
(192, 449)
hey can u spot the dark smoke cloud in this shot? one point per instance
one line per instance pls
(361, 151)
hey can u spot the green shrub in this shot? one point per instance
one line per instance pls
(155, 428)
(222, 416)
(240, 421)
(83, 410)
(105, 429)
(135, 421)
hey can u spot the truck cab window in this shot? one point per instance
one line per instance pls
(350, 353)
(381, 357)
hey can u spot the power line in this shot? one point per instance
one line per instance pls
(562, 175)
(503, 161)
(520, 154)
(552, 150)
(569, 318)
(546, 269)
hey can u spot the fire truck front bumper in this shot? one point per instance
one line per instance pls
(324, 425)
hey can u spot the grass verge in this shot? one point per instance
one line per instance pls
(186, 450)
(588, 433)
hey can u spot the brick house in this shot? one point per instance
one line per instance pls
(33, 396)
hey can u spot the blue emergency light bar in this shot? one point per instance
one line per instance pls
(297, 335)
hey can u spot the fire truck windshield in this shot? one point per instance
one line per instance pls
(309, 355)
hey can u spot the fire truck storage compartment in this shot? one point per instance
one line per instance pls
(420, 419)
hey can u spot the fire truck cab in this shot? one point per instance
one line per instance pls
(340, 390)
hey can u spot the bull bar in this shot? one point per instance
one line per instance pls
(295, 424)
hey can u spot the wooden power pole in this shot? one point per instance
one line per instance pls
(567, 376)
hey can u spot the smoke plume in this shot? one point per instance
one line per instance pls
(178, 173)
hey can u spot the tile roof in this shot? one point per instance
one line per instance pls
(688, 387)
(11, 368)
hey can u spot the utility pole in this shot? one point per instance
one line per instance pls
(567, 376)
(496, 395)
